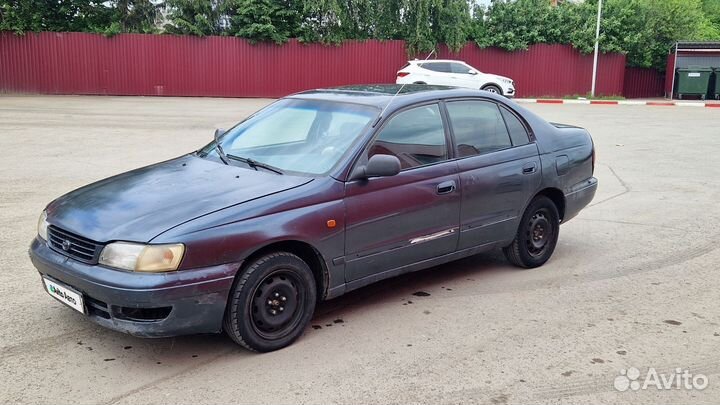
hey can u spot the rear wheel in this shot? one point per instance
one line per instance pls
(271, 303)
(492, 89)
(537, 235)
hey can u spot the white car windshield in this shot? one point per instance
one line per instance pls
(295, 135)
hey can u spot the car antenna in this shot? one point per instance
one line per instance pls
(396, 93)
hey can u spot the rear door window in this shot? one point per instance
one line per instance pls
(415, 136)
(442, 67)
(478, 127)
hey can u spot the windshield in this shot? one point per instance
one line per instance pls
(306, 136)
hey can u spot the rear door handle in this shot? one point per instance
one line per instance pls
(446, 187)
(529, 168)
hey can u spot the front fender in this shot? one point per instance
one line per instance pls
(231, 235)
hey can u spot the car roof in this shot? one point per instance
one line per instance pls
(379, 95)
(436, 60)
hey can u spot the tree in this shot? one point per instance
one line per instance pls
(645, 30)
(385, 22)
(321, 21)
(419, 36)
(263, 20)
(134, 16)
(194, 17)
(518, 24)
(711, 9)
(453, 23)
(642, 29)
(22, 16)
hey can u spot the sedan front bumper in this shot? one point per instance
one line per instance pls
(143, 304)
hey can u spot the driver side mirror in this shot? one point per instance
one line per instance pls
(472, 72)
(378, 166)
(219, 132)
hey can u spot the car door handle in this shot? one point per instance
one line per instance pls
(529, 168)
(446, 187)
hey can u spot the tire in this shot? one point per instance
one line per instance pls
(271, 303)
(540, 222)
(492, 89)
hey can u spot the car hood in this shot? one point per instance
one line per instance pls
(143, 203)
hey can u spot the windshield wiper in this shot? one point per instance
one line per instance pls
(219, 148)
(255, 164)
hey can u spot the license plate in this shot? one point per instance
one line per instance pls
(65, 294)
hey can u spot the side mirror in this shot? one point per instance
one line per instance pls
(472, 72)
(219, 132)
(378, 166)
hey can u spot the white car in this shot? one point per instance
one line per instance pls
(453, 73)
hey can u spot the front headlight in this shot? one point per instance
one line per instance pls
(138, 257)
(43, 226)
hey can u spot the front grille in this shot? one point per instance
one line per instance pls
(77, 247)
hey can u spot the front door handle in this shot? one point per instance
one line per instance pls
(446, 187)
(529, 168)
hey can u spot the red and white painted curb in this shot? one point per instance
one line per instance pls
(617, 102)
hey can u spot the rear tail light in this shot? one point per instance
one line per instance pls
(402, 74)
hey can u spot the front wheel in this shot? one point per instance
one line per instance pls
(537, 234)
(492, 89)
(271, 303)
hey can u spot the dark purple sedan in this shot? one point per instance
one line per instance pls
(319, 193)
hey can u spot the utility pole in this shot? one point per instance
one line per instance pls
(597, 43)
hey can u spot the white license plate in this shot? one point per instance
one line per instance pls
(65, 295)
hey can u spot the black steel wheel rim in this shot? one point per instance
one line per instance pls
(540, 232)
(277, 304)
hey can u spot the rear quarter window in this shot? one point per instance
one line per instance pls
(518, 132)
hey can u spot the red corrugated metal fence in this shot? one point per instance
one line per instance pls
(643, 83)
(137, 64)
(547, 70)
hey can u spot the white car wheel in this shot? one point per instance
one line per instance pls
(492, 89)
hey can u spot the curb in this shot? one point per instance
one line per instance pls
(615, 102)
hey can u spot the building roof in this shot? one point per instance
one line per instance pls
(698, 46)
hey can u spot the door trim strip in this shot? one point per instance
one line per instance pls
(432, 236)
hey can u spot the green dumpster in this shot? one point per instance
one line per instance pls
(716, 90)
(693, 80)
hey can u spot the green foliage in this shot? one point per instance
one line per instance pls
(262, 20)
(134, 16)
(322, 21)
(517, 25)
(418, 26)
(643, 29)
(22, 16)
(194, 17)
(429, 22)
(453, 24)
(711, 8)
